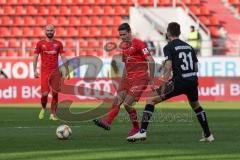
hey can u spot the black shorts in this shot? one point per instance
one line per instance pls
(172, 89)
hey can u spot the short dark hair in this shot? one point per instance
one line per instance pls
(124, 26)
(174, 29)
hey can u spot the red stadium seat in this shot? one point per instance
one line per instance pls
(117, 20)
(3, 2)
(53, 10)
(89, 2)
(6, 21)
(29, 21)
(58, 2)
(61, 32)
(74, 21)
(94, 32)
(28, 32)
(70, 43)
(121, 10)
(4, 31)
(15, 32)
(20, 10)
(83, 32)
(42, 10)
(214, 21)
(18, 21)
(83, 43)
(106, 32)
(38, 31)
(34, 1)
(23, 1)
(96, 21)
(51, 20)
(45, 1)
(31, 10)
(3, 43)
(85, 21)
(98, 10)
(115, 31)
(214, 31)
(107, 21)
(9, 10)
(75, 10)
(86, 10)
(41, 21)
(13, 43)
(12, 2)
(12, 53)
(101, 2)
(93, 43)
(67, 1)
(108, 10)
(65, 10)
(62, 21)
(204, 10)
(205, 20)
(72, 32)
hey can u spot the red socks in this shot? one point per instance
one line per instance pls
(112, 114)
(54, 103)
(133, 117)
(44, 100)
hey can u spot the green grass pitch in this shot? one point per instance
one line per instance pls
(173, 135)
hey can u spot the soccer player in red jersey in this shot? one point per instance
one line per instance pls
(49, 49)
(138, 72)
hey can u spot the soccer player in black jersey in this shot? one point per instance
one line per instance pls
(181, 61)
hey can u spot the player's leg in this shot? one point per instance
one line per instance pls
(44, 96)
(112, 114)
(170, 90)
(54, 105)
(132, 112)
(192, 95)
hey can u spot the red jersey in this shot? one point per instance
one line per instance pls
(134, 57)
(49, 52)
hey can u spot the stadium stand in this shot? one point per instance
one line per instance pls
(82, 20)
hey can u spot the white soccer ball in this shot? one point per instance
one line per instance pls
(63, 132)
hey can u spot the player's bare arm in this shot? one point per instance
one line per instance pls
(65, 63)
(35, 59)
(167, 69)
(196, 67)
(151, 70)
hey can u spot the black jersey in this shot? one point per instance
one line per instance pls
(183, 58)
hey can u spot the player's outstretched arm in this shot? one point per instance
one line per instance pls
(65, 63)
(151, 66)
(35, 59)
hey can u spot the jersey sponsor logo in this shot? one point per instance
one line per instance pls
(55, 46)
(50, 52)
(186, 75)
(182, 47)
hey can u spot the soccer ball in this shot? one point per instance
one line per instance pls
(63, 132)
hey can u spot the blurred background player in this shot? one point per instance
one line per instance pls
(180, 58)
(135, 78)
(49, 49)
(194, 39)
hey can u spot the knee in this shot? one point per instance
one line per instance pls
(45, 94)
(150, 101)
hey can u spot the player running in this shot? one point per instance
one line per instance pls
(135, 78)
(180, 58)
(49, 49)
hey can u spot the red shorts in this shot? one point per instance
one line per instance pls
(49, 80)
(134, 87)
